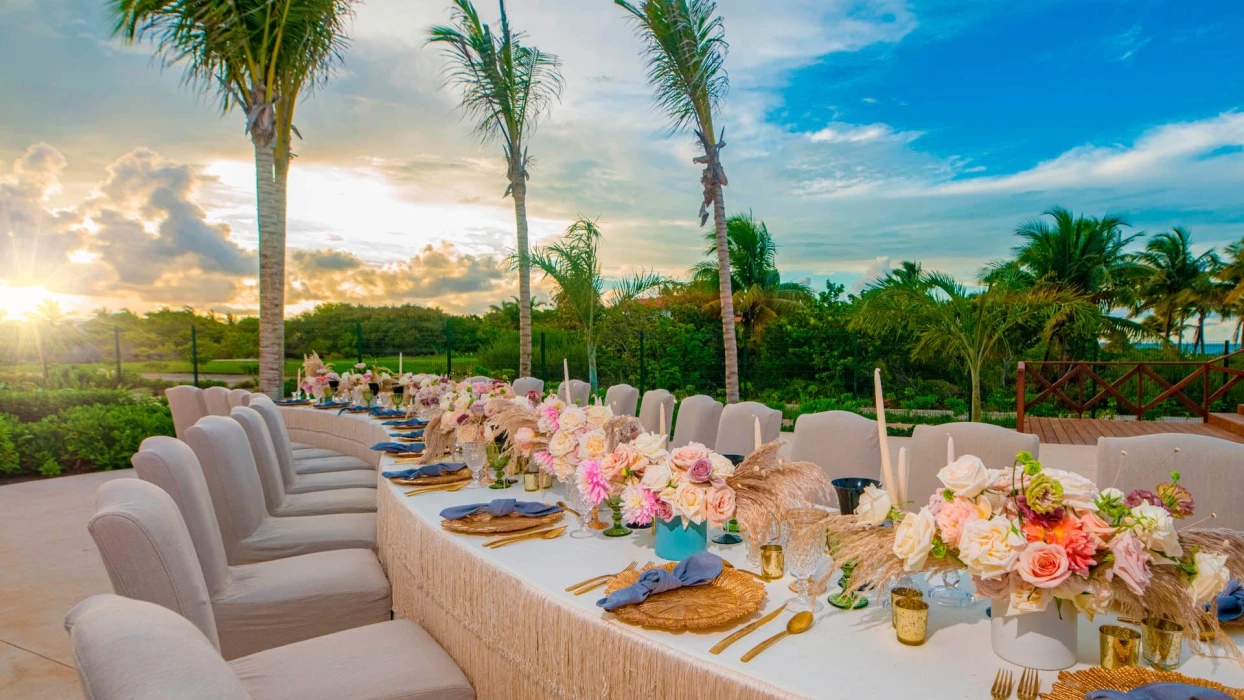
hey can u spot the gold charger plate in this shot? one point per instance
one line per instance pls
(1072, 685)
(330, 407)
(486, 524)
(463, 474)
(731, 596)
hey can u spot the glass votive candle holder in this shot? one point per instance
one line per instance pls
(1163, 642)
(902, 592)
(772, 562)
(1120, 646)
(911, 620)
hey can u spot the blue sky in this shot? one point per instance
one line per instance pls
(863, 132)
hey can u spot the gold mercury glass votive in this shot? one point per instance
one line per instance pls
(911, 620)
(772, 562)
(903, 592)
(546, 480)
(531, 481)
(1120, 647)
(1163, 642)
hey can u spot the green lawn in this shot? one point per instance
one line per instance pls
(433, 365)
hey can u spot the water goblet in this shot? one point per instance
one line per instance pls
(949, 594)
(805, 549)
(579, 504)
(476, 455)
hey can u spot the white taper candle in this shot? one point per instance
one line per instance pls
(663, 419)
(759, 441)
(887, 469)
(902, 477)
(399, 364)
(950, 449)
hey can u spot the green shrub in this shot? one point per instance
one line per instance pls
(31, 406)
(106, 436)
(9, 462)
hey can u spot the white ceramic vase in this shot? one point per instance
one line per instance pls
(1042, 640)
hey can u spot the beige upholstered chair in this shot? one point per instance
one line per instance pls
(736, 431)
(575, 391)
(698, 417)
(133, 650)
(994, 445)
(281, 502)
(623, 399)
(291, 480)
(841, 443)
(313, 460)
(478, 379)
(525, 385)
(150, 555)
(187, 404)
(650, 410)
(1209, 467)
(249, 533)
(217, 400)
(239, 397)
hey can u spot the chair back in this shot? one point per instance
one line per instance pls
(279, 435)
(650, 410)
(526, 385)
(172, 465)
(187, 404)
(994, 445)
(232, 478)
(575, 391)
(698, 417)
(842, 443)
(239, 397)
(148, 552)
(1209, 467)
(133, 650)
(478, 379)
(736, 430)
(623, 399)
(274, 486)
(217, 400)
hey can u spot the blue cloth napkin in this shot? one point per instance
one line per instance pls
(1231, 602)
(695, 570)
(1159, 691)
(500, 507)
(413, 434)
(388, 412)
(429, 470)
(398, 448)
(409, 423)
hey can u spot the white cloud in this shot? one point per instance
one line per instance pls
(839, 132)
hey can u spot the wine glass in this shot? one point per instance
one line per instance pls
(577, 502)
(805, 549)
(948, 593)
(476, 456)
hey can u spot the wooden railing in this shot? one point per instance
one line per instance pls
(1070, 388)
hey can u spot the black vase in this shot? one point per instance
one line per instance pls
(375, 388)
(736, 460)
(849, 490)
(333, 384)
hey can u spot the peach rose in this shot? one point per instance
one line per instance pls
(953, 516)
(719, 505)
(687, 455)
(689, 502)
(1043, 565)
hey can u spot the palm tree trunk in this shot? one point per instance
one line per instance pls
(727, 298)
(271, 274)
(518, 189)
(976, 394)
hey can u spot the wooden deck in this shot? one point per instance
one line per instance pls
(1085, 431)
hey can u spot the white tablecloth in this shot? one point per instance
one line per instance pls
(505, 617)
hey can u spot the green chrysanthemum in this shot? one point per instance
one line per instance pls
(1044, 494)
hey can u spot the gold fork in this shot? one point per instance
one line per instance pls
(1029, 685)
(605, 581)
(1001, 689)
(584, 582)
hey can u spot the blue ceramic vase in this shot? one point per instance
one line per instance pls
(675, 543)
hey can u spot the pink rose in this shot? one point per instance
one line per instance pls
(1043, 565)
(953, 516)
(688, 454)
(663, 510)
(936, 503)
(1131, 562)
(700, 470)
(1095, 526)
(720, 505)
(523, 437)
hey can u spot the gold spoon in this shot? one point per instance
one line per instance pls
(447, 488)
(798, 624)
(568, 509)
(546, 535)
(584, 582)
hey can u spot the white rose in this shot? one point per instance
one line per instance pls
(1078, 492)
(657, 476)
(989, 547)
(966, 476)
(571, 418)
(562, 442)
(1027, 598)
(1211, 577)
(913, 539)
(723, 468)
(592, 444)
(599, 414)
(1112, 495)
(650, 445)
(1156, 528)
(874, 507)
(690, 503)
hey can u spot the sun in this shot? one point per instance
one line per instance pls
(17, 302)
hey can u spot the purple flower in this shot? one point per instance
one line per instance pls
(701, 471)
(1140, 496)
(463, 418)
(478, 408)
(1045, 520)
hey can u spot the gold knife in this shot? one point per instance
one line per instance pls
(507, 538)
(541, 535)
(721, 646)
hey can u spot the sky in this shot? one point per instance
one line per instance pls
(862, 132)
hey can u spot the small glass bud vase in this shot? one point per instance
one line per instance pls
(618, 529)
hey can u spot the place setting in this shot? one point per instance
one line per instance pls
(516, 520)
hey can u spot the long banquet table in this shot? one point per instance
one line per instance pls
(505, 617)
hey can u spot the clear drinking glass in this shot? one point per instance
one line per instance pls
(805, 549)
(949, 594)
(475, 454)
(577, 502)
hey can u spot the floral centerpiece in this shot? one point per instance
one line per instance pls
(460, 414)
(317, 377)
(1036, 539)
(354, 383)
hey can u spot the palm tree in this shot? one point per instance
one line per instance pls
(573, 264)
(506, 87)
(973, 328)
(1081, 254)
(1232, 273)
(685, 47)
(53, 331)
(259, 55)
(1172, 275)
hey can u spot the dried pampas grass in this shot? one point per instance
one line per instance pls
(765, 486)
(436, 440)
